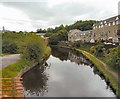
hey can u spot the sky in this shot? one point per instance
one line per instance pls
(29, 15)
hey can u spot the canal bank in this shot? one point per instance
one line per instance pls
(27, 69)
(109, 77)
(16, 70)
(21, 66)
(66, 73)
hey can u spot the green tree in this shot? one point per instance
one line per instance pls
(57, 37)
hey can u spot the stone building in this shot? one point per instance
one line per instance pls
(107, 30)
(73, 35)
(77, 35)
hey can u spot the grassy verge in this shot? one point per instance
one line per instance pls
(101, 68)
(6, 54)
(14, 69)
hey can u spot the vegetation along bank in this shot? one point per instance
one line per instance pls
(31, 47)
(102, 67)
(105, 57)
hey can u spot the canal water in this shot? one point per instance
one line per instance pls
(66, 73)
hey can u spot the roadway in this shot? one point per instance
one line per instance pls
(9, 59)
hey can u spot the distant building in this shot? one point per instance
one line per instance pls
(40, 34)
(73, 35)
(86, 36)
(106, 30)
(77, 35)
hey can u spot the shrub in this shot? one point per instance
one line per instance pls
(61, 35)
(99, 50)
(33, 48)
(9, 47)
(76, 44)
(113, 58)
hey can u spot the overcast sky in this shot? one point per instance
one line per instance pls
(22, 15)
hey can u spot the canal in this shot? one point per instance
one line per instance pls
(66, 73)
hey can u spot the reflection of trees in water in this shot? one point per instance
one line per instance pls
(77, 58)
(80, 59)
(67, 54)
(35, 81)
(61, 53)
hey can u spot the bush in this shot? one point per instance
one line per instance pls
(9, 48)
(77, 44)
(31, 46)
(9, 43)
(61, 35)
(113, 58)
(34, 48)
(99, 50)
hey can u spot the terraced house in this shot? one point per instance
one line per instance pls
(77, 35)
(107, 30)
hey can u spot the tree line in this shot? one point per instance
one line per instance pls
(29, 45)
(60, 33)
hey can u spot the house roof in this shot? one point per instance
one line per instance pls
(112, 19)
(74, 31)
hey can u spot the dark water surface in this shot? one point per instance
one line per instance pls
(65, 74)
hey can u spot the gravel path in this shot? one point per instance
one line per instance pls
(9, 59)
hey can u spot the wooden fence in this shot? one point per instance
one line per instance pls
(11, 87)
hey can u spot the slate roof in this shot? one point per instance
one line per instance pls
(112, 19)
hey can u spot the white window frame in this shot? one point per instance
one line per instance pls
(114, 23)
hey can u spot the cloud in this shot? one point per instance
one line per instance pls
(49, 13)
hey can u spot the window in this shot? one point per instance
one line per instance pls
(102, 26)
(99, 26)
(117, 18)
(117, 22)
(113, 23)
(105, 23)
(109, 24)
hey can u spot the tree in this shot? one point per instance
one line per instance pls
(41, 30)
(57, 37)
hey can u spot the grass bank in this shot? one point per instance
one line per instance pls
(14, 69)
(101, 67)
(6, 54)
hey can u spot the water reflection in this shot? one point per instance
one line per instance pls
(79, 59)
(35, 81)
(67, 54)
(60, 53)
(70, 74)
